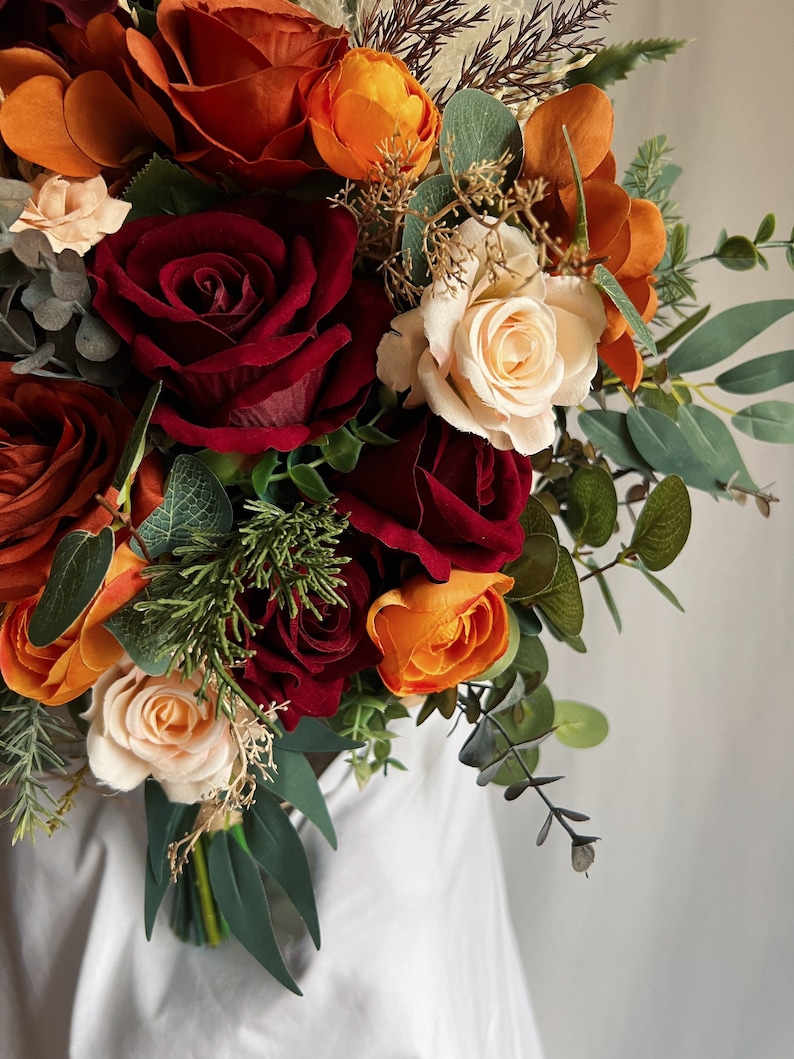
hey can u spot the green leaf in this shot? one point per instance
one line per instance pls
(536, 519)
(534, 570)
(277, 848)
(561, 602)
(477, 128)
(430, 197)
(760, 374)
(312, 736)
(606, 282)
(372, 436)
(737, 253)
(342, 450)
(295, 782)
(766, 229)
(147, 21)
(725, 333)
(263, 471)
(663, 525)
(578, 725)
(136, 445)
(309, 482)
(668, 594)
(609, 432)
(162, 187)
(615, 62)
(166, 822)
(592, 505)
(711, 440)
(606, 592)
(767, 421)
(480, 746)
(79, 566)
(146, 649)
(195, 501)
(580, 236)
(530, 721)
(531, 661)
(238, 889)
(664, 446)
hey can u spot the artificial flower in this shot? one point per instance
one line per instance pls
(70, 665)
(493, 354)
(73, 214)
(434, 636)
(446, 497)
(304, 660)
(628, 234)
(60, 444)
(142, 725)
(250, 317)
(27, 20)
(367, 105)
(238, 75)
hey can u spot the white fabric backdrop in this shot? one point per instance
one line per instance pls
(681, 943)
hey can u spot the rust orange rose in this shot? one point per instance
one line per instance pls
(628, 233)
(436, 636)
(366, 103)
(70, 665)
(99, 120)
(238, 73)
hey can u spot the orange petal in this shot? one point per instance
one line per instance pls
(624, 359)
(33, 126)
(648, 239)
(104, 122)
(18, 65)
(607, 207)
(587, 113)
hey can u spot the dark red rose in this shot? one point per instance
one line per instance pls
(25, 21)
(447, 497)
(306, 659)
(251, 318)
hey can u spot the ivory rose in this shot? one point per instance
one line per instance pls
(435, 636)
(367, 102)
(64, 669)
(73, 214)
(142, 726)
(492, 358)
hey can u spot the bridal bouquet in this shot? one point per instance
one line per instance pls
(335, 357)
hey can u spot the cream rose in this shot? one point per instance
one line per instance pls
(73, 214)
(153, 726)
(493, 357)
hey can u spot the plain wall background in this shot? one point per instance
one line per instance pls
(680, 945)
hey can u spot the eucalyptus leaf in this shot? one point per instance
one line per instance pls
(724, 334)
(534, 570)
(682, 329)
(578, 725)
(766, 229)
(663, 525)
(660, 586)
(606, 282)
(561, 602)
(478, 128)
(737, 253)
(663, 444)
(767, 421)
(79, 565)
(480, 746)
(536, 519)
(609, 431)
(194, 501)
(592, 505)
(277, 848)
(136, 443)
(712, 441)
(606, 592)
(760, 374)
(52, 314)
(240, 894)
(95, 340)
(147, 649)
(431, 196)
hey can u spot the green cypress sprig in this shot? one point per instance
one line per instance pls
(193, 604)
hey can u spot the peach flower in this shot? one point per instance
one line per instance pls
(367, 102)
(492, 358)
(64, 669)
(435, 636)
(73, 214)
(143, 725)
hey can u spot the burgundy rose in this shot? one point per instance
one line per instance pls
(306, 659)
(251, 318)
(25, 21)
(447, 497)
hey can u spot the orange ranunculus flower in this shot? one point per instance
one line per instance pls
(70, 665)
(238, 73)
(628, 233)
(368, 103)
(435, 636)
(99, 120)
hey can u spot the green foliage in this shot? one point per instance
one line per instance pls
(592, 505)
(294, 781)
(166, 822)
(712, 442)
(663, 525)
(146, 16)
(363, 720)
(607, 284)
(29, 736)
(578, 725)
(533, 571)
(664, 446)
(162, 187)
(771, 421)
(431, 196)
(725, 334)
(610, 432)
(580, 234)
(478, 128)
(561, 602)
(759, 374)
(136, 445)
(615, 62)
(79, 566)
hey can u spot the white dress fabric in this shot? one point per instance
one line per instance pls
(418, 958)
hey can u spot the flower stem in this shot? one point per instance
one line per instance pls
(209, 913)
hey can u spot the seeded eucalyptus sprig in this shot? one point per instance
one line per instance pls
(193, 605)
